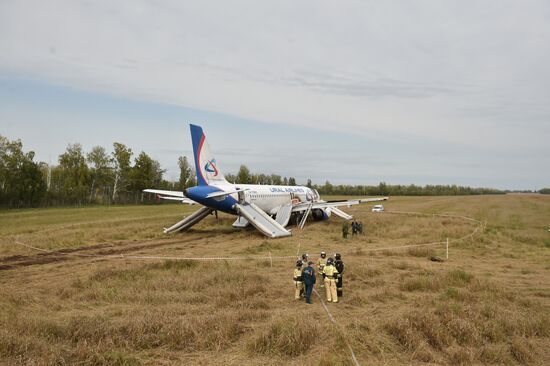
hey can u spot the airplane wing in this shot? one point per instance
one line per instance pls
(223, 194)
(365, 200)
(170, 195)
(324, 204)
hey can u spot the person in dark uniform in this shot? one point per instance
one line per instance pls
(308, 277)
(339, 264)
(345, 230)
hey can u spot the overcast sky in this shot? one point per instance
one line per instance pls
(350, 91)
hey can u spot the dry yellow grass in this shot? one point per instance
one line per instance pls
(488, 304)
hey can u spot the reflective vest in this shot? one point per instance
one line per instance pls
(322, 262)
(330, 272)
(298, 274)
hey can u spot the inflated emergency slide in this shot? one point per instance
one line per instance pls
(241, 222)
(261, 221)
(283, 215)
(190, 220)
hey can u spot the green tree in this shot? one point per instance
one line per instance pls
(263, 179)
(243, 176)
(276, 180)
(32, 186)
(185, 172)
(74, 174)
(291, 181)
(21, 180)
(328, 188)
(308, 184)
(3, 167)
(122, 169)
(143, 173)
(100, 170)
(146, 173)
(383, 189)
(231, 178)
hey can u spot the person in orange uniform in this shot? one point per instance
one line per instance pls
(331, 275)
(321, 263)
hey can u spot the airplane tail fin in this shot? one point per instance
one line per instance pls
(206, 166)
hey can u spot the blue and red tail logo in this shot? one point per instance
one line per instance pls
(211, 167)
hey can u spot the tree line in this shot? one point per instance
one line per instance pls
(244, 176)
(119, 176)
(79, 178)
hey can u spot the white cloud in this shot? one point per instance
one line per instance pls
(468, 73)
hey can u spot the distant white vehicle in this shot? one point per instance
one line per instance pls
(378, 208)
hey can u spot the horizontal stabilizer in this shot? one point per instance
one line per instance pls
(165, 193)
(182, 200)
(171, 195)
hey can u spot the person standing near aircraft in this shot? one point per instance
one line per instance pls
(298, 282)
(354, 228)
(305, 259)
(321, 263)
(308, 277)
(339, 264)
(345, 230)
(331, 275)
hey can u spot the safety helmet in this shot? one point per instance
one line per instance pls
(337, 256)
(323, 254)
(305, 256)
(330, 261)
(299, 263)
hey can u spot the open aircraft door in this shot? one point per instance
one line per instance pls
(243, 198)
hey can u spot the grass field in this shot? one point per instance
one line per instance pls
(488, 304)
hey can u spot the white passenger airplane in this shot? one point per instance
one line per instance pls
(268, 208)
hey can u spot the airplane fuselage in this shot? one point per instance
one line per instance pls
(269, 198)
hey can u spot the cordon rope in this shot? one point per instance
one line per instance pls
(331, 318)
(145, 257)
(270, 257)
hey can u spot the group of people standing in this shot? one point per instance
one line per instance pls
(356, 228)
(331, 270)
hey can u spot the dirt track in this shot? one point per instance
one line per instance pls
(92, 251)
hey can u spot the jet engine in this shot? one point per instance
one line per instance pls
(320, 214)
